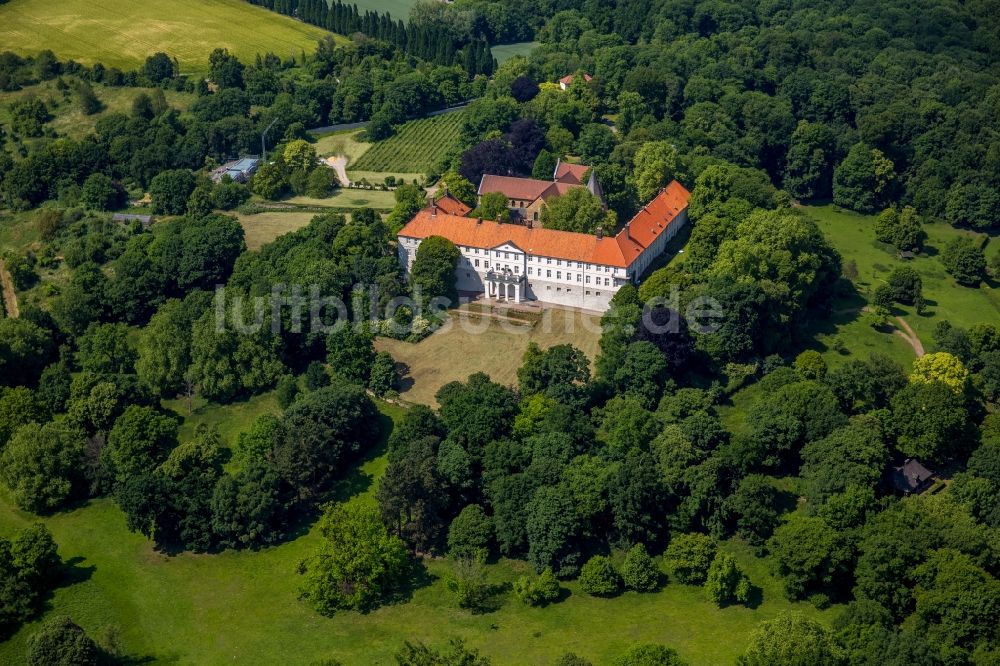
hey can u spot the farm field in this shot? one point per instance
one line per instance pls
(207, 609)
(262, 228)
(504, 52)
(68, 120)
(478, 345)
(853, 236)
(398, 9)
(417, 146)
(121, 33)
(350, 198)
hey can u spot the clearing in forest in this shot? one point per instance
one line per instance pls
(486, 343)
(853, 235)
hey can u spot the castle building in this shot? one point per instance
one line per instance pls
(514, 262)
(526, 196)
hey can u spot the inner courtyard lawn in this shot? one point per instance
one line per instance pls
(243, 607)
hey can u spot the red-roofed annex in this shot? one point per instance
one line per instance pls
(526, 262)
(526, 196)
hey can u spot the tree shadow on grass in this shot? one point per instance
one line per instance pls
(405, 381)
(356, 481)
(74, 572)
(417, 577)
(755, 599)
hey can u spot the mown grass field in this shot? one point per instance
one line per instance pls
(853, 236)
(504, 52)
(477, 344)
(416, 147)
(122, 33)
(243, 607)
(68, 119)
(262, 228)
(399, 9)
(344, 143)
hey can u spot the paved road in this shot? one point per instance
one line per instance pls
(339, 164)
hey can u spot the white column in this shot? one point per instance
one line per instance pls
(517, 293)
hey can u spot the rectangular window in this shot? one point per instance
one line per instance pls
(548, 273)
(558, 262)
(529, 270)
(548, 260)
(517, 269)
(579, 277)
(588, 293)
(506, 255)
(607, 282)
(498, 254)
(598, 293)
(588, 279)
(559, 275)
(477, 263)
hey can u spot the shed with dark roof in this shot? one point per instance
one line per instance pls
(911, 478)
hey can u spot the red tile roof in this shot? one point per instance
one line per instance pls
(527, 189)
(570, 173)
(524, 189)
(452, 206)
(656, 216)
(488, 234)
(568, 79)
(619, 251)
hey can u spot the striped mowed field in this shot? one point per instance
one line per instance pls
(123, 33)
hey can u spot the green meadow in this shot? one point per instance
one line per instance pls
(243, 607)
(122, 33)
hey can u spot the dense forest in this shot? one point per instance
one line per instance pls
(890, 108)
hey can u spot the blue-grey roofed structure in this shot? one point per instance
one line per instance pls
(144, 220)
(240, 170)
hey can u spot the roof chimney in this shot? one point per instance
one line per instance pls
(530, 223)
(479, 220)
(600, 233)
(499, 218)
(434, 207)
(627, 234)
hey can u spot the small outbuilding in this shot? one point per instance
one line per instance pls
(144, 220)
(239, 170)
(566, 81)
(911, 478)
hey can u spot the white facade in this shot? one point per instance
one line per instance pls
(508, 273)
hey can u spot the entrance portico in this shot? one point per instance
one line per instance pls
(504, 285)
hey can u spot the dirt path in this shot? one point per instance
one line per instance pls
(339, 164)
(9, 296)
(911, 337)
